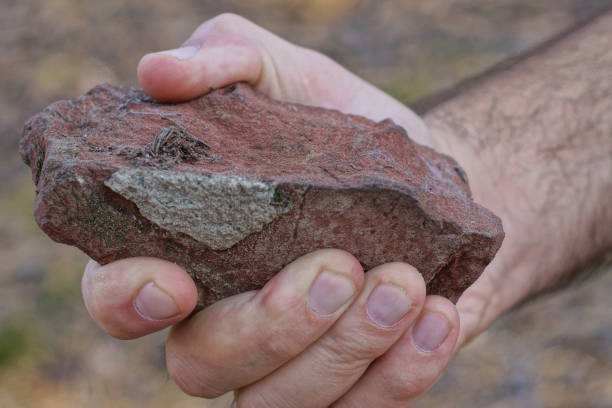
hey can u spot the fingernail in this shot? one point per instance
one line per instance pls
(152, 303)
(182, 53)
(387, 305)
(329, 292)
(430, 331)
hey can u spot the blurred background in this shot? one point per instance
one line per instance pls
(555, 352)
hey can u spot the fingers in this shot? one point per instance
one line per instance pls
(221, 51)
(483, 302)
(413, 364)
(390, 301)
(240, 339)
(229, 48)
(137, 296)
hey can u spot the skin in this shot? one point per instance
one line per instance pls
(515, 133)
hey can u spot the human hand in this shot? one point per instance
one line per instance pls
(320, 331)
(311, 336)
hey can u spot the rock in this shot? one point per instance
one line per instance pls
(233, 186)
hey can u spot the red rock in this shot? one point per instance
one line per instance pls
(233, 186)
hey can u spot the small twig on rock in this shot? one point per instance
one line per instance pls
(179, 143)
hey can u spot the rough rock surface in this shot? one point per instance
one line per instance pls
(233, 186)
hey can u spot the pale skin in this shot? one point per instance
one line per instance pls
(536, 143)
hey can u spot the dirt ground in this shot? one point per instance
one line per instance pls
(555, 352)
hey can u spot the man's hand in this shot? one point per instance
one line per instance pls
(230, 49)
(322, 332)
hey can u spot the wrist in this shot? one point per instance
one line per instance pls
(557, 219)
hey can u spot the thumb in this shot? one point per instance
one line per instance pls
(136, 296)
(223, 50)
(229, 48)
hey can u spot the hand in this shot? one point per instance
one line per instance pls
(321, 331)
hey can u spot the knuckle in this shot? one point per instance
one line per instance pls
(282, 338)
(344, 353)
(223, 25)
(282, 345)
(228, 22)
(358, 348)
(276, 305)
(275, 349)
(285, 333)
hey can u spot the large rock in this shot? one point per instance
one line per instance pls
(233, 186)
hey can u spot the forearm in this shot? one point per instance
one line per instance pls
(536, 143)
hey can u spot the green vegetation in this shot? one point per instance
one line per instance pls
(15, 341)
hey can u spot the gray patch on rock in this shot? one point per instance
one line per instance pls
(217, 210)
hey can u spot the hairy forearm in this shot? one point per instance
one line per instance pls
(536, 142)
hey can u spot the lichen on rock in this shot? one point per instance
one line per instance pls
(215, 209)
